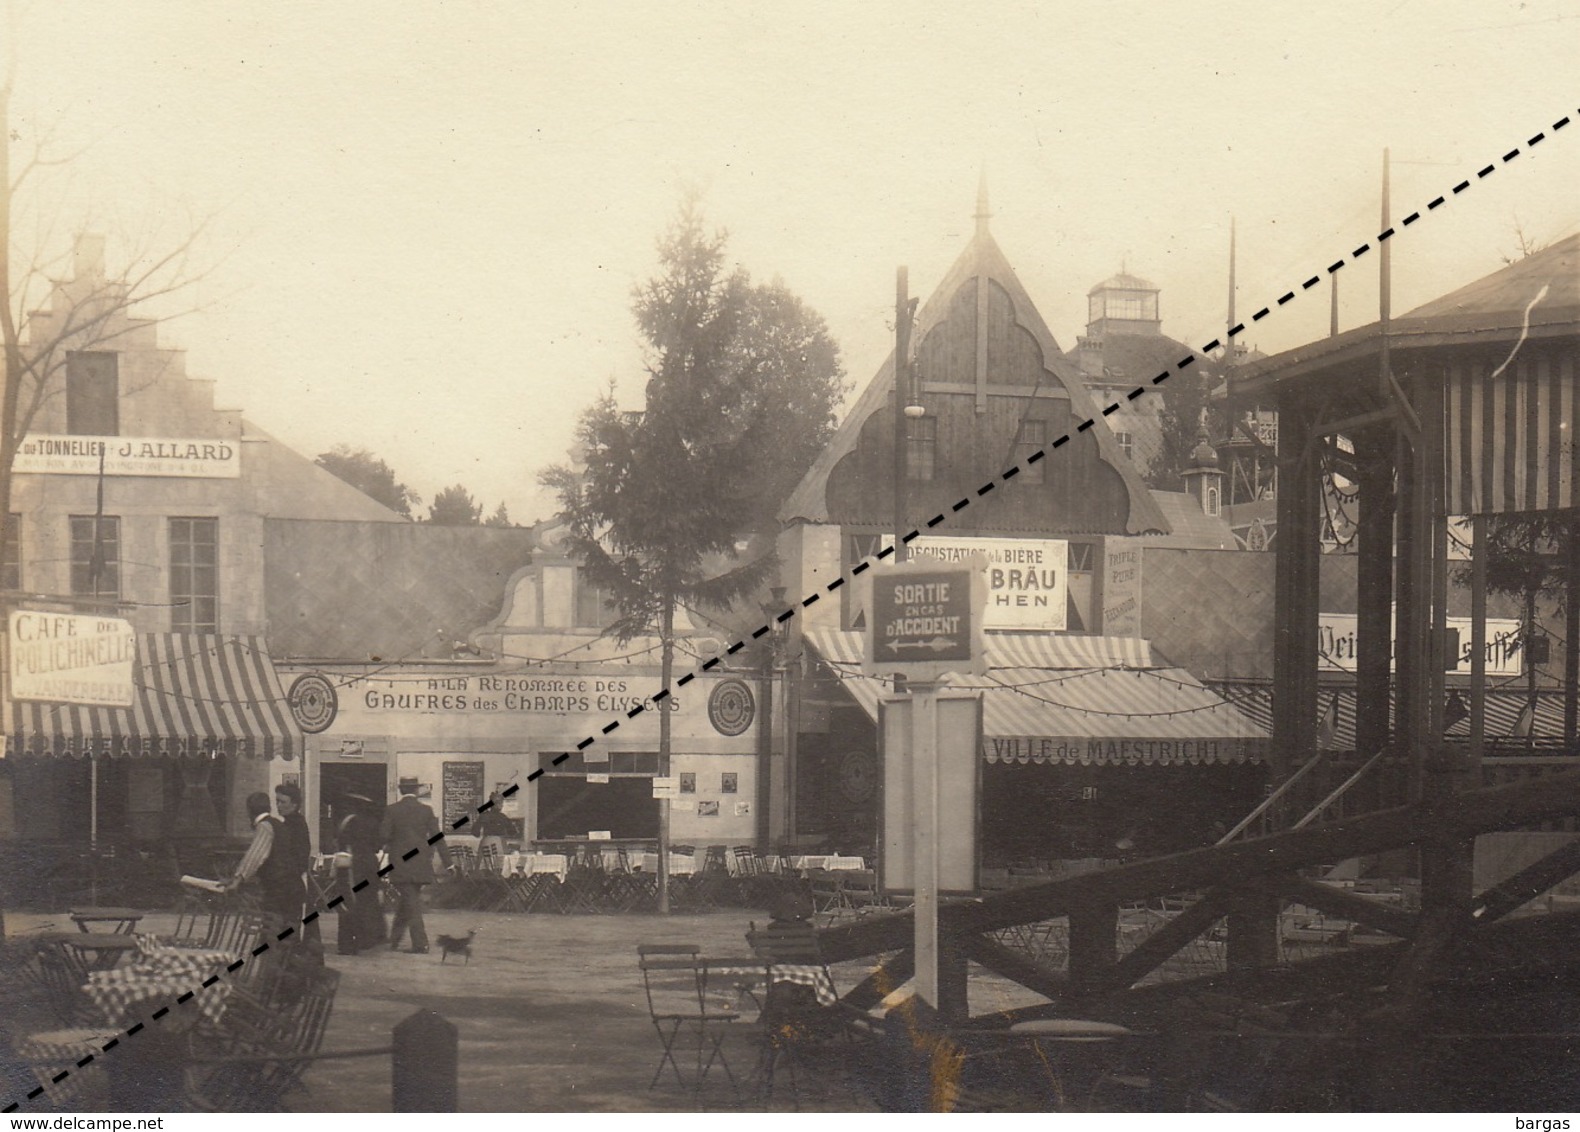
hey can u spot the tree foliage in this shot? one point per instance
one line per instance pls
(455, 507)
(500, 517)
(369, 475)
(742, 386)
(1186, 407)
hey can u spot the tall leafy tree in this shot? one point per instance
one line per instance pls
(455, 507)
(500, 517)
(369, 475)
(657, 512)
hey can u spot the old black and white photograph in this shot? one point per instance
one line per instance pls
(761, 560)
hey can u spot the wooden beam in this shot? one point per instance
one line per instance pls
(1527, 884)
(1152, 952)
(1348, 906)
(889, 976)
(1017, 967)
(1094, 942)
(1464, 815)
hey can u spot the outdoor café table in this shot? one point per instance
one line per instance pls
(124, 919)
(157, 978)
(831, 862)
(806, 974)
(90, 951)
(535, 864)
(679, 865)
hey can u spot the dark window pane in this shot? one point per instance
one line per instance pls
(92, 395)
(96, 557)
(11, 570)
(1033, 435)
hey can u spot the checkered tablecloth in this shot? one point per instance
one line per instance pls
(804, 974)
(160, 975)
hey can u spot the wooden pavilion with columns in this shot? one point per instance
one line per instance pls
(1463, 407)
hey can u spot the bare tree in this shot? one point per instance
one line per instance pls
(44, 317)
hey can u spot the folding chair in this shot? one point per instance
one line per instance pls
(859, 891)
(276, 1031)
(826, 896)
(675, 980)
(796, 1026)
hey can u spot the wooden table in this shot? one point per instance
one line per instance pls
(90, 951)
(124, 919)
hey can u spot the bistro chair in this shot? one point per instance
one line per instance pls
(797, 1027)
(859, 891)
(674, 978)
(826, 897)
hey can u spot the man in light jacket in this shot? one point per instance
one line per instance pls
(408, 825)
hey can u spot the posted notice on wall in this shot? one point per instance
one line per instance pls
(70, 659)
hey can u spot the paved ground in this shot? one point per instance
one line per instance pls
(551, 1014)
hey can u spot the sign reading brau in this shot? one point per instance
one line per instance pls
(1027, 579)
(70, 659)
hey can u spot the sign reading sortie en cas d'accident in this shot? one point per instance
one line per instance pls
(925, 619)
(204, 458)
(70, 659)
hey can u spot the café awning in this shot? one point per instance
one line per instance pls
(1078, 701)
(195, 694)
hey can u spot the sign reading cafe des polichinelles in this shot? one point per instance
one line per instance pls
(924, 619)
(70, 659)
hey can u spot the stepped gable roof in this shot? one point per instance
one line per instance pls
(981, 257)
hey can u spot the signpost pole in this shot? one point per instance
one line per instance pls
(924, 785)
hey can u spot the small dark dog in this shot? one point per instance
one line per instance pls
(456, 945)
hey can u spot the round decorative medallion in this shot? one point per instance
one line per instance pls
(858, 776)
(313, 702)
(731, 707)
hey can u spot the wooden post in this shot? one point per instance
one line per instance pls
(924, 786)
(1094, 944)
(1253, 932)
(1295, 588)
(1374, 604)
(425, 1064)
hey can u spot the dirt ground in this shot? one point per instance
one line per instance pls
(551, 1016)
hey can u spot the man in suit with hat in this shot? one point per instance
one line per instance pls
(408, 825)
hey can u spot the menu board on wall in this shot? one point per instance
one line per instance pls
(463, 791)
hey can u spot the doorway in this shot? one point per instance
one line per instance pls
(335, 781)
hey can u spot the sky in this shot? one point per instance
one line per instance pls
(421, 223)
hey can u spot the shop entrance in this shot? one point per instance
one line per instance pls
(335, 781)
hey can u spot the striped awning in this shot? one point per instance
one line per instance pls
(1505, 706)
(1078, 701)
(1510, 433)
(1013, 650)
(196, 694)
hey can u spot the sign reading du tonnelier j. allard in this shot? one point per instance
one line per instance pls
(69, 659)
(203, 458)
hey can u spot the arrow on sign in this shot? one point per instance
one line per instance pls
(937, 644)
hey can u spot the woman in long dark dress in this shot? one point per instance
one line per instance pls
(361, 916)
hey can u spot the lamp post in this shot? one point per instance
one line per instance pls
(772, 654)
